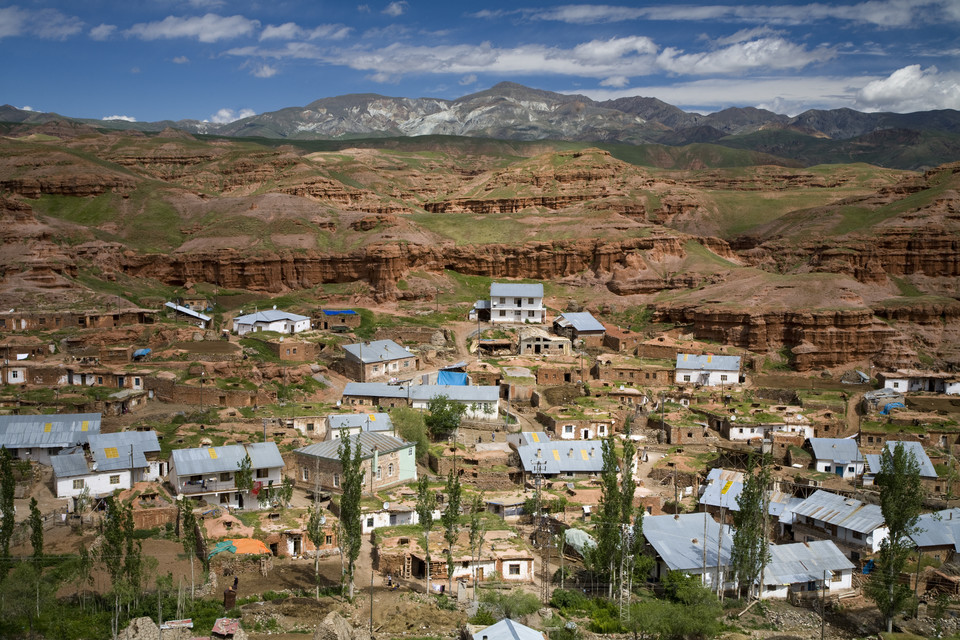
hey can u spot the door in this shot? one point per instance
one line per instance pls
(479, 574)
(296, 546)
(839, 469)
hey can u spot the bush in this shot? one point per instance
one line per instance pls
(566, 600)
(483, 617)
(514, 604)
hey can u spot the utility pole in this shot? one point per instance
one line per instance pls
(823, 607)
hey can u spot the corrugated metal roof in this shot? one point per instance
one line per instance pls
(48, 431)
(69, 465)
(841, 450)
(562, 456)
(264, 455)
(725, 486)
(507, 629)
(515, 290)
(923, 460)
(377, 351)
(191, 462)
(840, 511)
(187, 312)
(422, 392)
(937, 529)
(581, 321)
(533, 437)
(124, 450)
(363, 421)
(708, 362)
(679, 540)
(804, 562)
(330, 449)
(270, 315)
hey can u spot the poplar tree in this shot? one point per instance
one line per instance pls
(426, 503)
(316, 534)
(478, 527)
(36, 531)
(7, 512)
(450, 519)
(750, 549)
(351, 527)
(189, 538)
(901, 499)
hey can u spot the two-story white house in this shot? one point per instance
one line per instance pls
(211, 472)
(516, 302)
(116, 461)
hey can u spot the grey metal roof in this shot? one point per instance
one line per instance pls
(515, 290)
(725, 486)
(47, 431)
(562, 456)
(708, 362)
(488, 393)
(191, 462)
(377, 351)
(270, 315)
(838, 449)
(330, 449)
(923, 460)
(533, 437)
(804, 562)
(69, 465)
(507, 629)
(363, 421)
(187, 312)
(581, 321)
(124, 450)
(679, 540)
(843, 512)
(938, 529)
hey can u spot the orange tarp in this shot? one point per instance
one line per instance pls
(249, 545)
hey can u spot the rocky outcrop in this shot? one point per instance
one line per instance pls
(505, 205)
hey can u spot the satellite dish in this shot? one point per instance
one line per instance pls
(323, 519)
(386, 505)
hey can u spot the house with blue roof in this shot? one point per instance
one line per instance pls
(707, 370)
(517, 303)
(380, 359)
(338, 320)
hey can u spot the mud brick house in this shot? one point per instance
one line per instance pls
(571, 423)
(929, 478)
(271, 320)
(782, 441)
(580, 326)
(676, 433)
(558, 374)
(54, 320)
(614, 369)
(386, 461)
(40, 437)
(210, 472)
(627, 396)
(534, 341)
(938, 534)
(366, 361)
(516, 302)
(338, 319)
(292, 350)
(857, 528)
(621, 340)
(16, 348)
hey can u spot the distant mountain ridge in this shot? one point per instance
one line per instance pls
(511, 111)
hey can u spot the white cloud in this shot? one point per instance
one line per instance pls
(207, 4)
(363, 8)
(264, 71)
(124, 118)
(26, 107)
(47, 24)
(468, 79)
(102, 31)
(911, 89)
(396, 8)
(181, 60)
(208, 28)
(285, 31)
(292, 31)
(615, 81)
(223, 116)
(764, 53)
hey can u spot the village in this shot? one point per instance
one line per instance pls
(240, 414)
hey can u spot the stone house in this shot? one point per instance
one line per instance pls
(616, 369)
(580, 326)
(568, 423)
(381, 359)
(338, 319)
(534, 341)
(386, 461)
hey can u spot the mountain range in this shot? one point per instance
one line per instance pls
(510, 111)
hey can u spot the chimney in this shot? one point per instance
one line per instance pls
(538, 453)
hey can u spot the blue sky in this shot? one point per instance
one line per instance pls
(219, 60)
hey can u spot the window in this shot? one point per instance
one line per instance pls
(503, 300)
(379, 472)
(602, 429)
(309, 426)
(896, 385)
(225, 477)
(517, 302)
(136, 382)
(99, 379)
(390, 470)
(568, 428)
(336, 479)
(115, 479)
(78, 484)
(263, 473)
(529, 300)
(514, 569)
(294, 351)
(410, 451)
(369, 522)
(14, 375)
(851, 469)
(328, 540)
(686, 378)
(723, 377)
(531, 314)
(406, 363)
(857, 535)
(503, 313)
(224, 498)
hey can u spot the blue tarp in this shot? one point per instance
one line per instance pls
(139, 353)
(892, 405)
(452, 378)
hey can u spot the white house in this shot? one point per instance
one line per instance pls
(806, 569)
(210, 472)
(42, 436)
(516, 302)
(840, 456)
(482, 402)
(352, 423)
(391, 515)
(854, 526)
(708, 370)
(507, 629)
(271, 320)
(116, 461)
(906, 380)
(678, 545)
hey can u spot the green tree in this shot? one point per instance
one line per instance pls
(646, 619)
(901, 499)
(188, 536)
(351, 486)
(426, 503)
(121, 553)
(751, 547)
(36, 531)
(444, 417)
(513, 604)
(450, 519)
(410, 425)
(7, 512)
(243, 476)
(316, 535)
(478, 527)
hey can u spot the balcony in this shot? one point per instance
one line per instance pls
(207, 485)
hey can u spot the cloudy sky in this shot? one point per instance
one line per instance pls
(219, 60)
